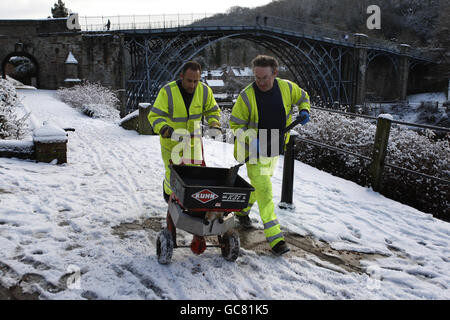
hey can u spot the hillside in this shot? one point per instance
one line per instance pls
(421, 24)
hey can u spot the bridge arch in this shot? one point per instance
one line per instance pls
(382, 77)
(34, 74)
(157, 59)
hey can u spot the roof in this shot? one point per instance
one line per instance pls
(71, 58)
(242, 72)
(215, 83)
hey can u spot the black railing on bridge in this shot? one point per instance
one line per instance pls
(307, 30)
(335, 36)
(131, 22)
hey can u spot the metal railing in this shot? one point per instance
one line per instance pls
(422, 126)
(163, 21)
(338, 36)
(131, 22)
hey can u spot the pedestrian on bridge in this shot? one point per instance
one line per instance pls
(262, 110)
(177, 112)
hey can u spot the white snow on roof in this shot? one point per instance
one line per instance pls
(215, 83)
(216, 73)
(242, 72)
(71, 59)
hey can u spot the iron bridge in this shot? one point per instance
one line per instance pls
(327, 64)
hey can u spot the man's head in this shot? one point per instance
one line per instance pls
(190, 76)
(265, 69)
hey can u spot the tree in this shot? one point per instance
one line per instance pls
(59, 10)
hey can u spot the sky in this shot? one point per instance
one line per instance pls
(37, 9)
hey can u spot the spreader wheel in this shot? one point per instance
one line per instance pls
(229, 243)
(164, 246)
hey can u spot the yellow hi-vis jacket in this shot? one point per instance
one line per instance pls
(244, 115)
(169, 109)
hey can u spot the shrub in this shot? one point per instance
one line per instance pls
(409, 149)
(92, 99)
(12, 126)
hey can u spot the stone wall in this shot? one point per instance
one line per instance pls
(48, 43)
(49, 144)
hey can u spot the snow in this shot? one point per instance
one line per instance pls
(72, 80)
(242, 72)
(215, 83)
(57, 225)
(432, 96)
(71, 59)
(15, 145)
(129, 116)
(386, 116)
(145, 105)
(49, 133)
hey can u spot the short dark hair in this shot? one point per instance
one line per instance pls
(193, 65)
(265, 61)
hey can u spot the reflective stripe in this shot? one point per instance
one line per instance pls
(205, 94)
(303, 98)
(195, 116)
(215, 108)
(158, 121)
(181, 119)
(247, 103)
(270, 239)
(159, 112)
(246, 211)
(237, 120)
(212, 117)
(169, 100)
(252, 124)
(289, 114)
(290, 87)
(271, 224)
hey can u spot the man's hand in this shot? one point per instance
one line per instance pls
(214, 130)
(303, 116)
(166, 131)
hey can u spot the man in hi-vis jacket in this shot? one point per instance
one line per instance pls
(177, 112)
(263, 109)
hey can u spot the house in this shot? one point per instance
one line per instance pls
(218, 86)
(238, 72)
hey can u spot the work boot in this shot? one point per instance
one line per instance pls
(245, 222)
(280, 248)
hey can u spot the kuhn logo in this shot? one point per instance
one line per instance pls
(205, 196)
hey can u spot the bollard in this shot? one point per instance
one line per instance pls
(287, 187)
(379, 150)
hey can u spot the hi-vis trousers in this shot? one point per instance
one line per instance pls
(194, 157)
(260, 175)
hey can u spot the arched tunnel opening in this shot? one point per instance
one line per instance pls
(21, 67)
(382, 80)
(312, 68)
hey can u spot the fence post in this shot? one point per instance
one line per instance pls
(287, 187)
(379, 150)
(144, 126)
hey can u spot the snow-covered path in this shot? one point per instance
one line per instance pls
(58, 229)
